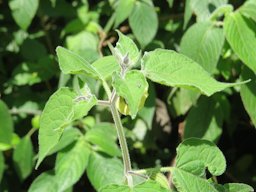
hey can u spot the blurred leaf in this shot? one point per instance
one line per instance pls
(248, 93)
(108, 144)
(103, 171)
(148, 186)
(182, 100)
(170, 2)
(123, 10)
(71, 164)
(144, 22)
(23, 11)
(248, 9)
(33, 50)
(23, 155)
(2, 165)
(6, 125)
(195, 155)
(133, 87)
(203, 9)
(44, 182)
(148, 111)
(84, 44)
(237, 187)
(240, 33)
(204, 120)
(106, 66)
(203, 42)
(173, 69)
(60, 110)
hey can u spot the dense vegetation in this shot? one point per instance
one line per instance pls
(180, 73)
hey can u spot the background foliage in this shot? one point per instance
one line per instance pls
(223, 43)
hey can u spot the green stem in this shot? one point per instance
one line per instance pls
(122, 139)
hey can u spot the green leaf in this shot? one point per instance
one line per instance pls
(103, 171)
(237, 187)
(148, 186)
(125, 47)
(205, 120)
(44, 182)
(85, 44)
(248, 94)
(132, 88)
(182, 100)
(144, 22)
(106, 66)
(61, 109)
(185, 181)
(23, 11)
(173, 69)
(108, 144)
(71, 164)
(71, 63)
(69, 136)
(187, 14)
(195, 155)
(123, 10)
(240, 33)
(203, 9)
(148, 111)
(248, 9)
(6, 128)
(203, 42)
(23, 155)
(2, 165)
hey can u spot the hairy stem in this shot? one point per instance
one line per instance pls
(122, 140)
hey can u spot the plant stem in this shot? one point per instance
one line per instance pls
(122, 140)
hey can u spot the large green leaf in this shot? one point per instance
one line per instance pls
(248, 9)
(173, 69)
(106, 66)
(23, 11)
(237, 187)
(108, 144)
(23, 155)
(44, 182)
(144, 22)
(148, 186)
(240, 33)
(195, 155)
(1, 165)
(185, 181)
(203, 42)
(248, 94)
(123, 10)
(6, 125)
(60, 110)
(103, 171)
(71, 164)
(71, 63)
(204, 120)
(132, 87)
(126, 49)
